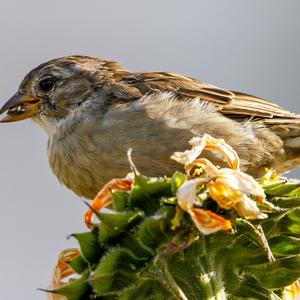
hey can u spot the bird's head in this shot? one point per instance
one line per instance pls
(56, 88)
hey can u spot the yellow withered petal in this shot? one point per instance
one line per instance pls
(206, 221)
(241, 182)
(62, 271)
(230, 189)
(292, 292)
(186, 194)
(188, 156)
(224, 195)
(227, 152)
(105, 198)
(248, 209)
(209, 222)
(206, 142)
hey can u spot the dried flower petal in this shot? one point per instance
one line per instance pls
(208, 222)
(186, 194)
(224, 195)
(248, 209)
(292, 292)
(230, 189)
(61, 271)
(242, 182)
(227, 152)
(105, 198)
(188, 156)
(207, 142)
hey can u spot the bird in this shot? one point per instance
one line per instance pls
(93, 110)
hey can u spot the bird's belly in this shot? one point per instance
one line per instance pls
(85, 171)
(89, 155)
(85, 166)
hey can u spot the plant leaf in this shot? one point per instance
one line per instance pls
(113, 225)
(121, 200)
(147, 192)
(89, 246)
(278, 274)
(116, 271)
(78, 264)
(76, 289)
(281, 189)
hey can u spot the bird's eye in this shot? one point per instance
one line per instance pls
(47, 83)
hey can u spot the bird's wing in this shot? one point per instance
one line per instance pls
(234, 104)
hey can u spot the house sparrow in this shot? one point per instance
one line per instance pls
(94, 110)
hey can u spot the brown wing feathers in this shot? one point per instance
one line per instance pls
(235, 104)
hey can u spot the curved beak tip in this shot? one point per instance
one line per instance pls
(20, 107)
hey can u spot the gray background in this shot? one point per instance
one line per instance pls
(251, 46)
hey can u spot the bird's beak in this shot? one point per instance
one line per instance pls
(20, 107)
